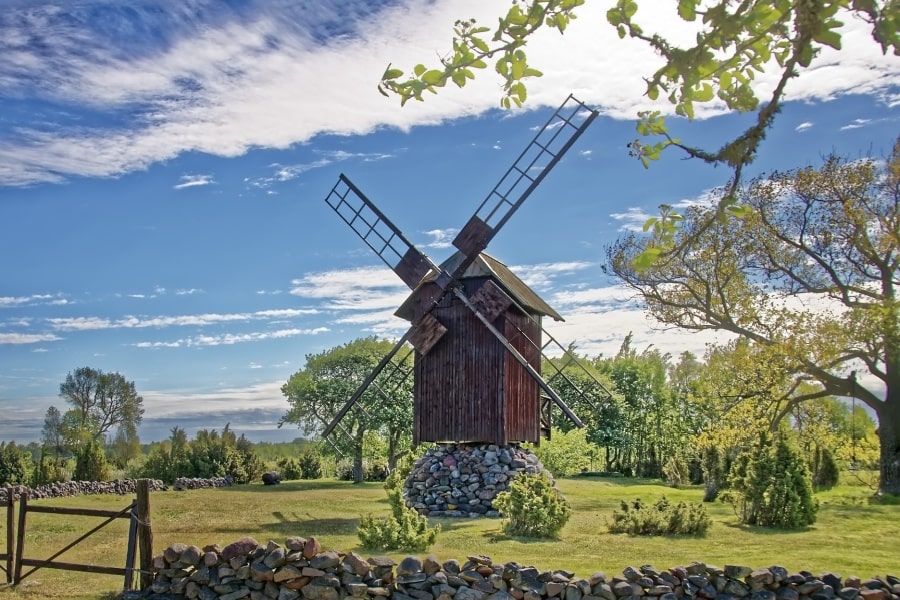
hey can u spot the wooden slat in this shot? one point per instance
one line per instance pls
(52, 564)
(412, 268)
(427, 333)
(473, 237)
(82, 512)
(490, 300)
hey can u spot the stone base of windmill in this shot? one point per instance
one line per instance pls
(462, 480)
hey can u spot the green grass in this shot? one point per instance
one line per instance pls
(853, 535)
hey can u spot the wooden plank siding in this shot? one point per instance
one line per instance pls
(468, 388)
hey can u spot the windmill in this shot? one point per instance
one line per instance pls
(476, 328)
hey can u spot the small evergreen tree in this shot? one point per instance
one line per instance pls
(289, 467)
(532, 507)
(49, 469)
(405, 529)
(770, 485)
(90, 463)
(310, 466)
(826, 472)
(15, 464)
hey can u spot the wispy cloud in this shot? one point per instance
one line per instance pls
(804, 126)
(188, 181)
(27, 338)
(33, 300)
(199, 320)
(856, 124)
(229, 339)
(440, 238)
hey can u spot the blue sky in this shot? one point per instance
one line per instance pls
(163, 169)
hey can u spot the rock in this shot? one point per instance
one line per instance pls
(241, 547)
(271, 478)
(311, 547)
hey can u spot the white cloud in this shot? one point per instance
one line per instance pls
(199, 320)
(230, 339)
(188, 181)
(803, 126)
(252, 78)
(27, 338)
(856, 124)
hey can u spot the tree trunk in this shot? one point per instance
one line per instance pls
(889, 436)
(358, 475)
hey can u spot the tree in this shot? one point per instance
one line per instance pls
(318, 391)
(771, 486)
(734, 41)
(808, 279)
(100, 401)
(90, 463)
(15, 465)
(52, 431)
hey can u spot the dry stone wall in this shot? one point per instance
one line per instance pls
(76, 488)
(301, 569)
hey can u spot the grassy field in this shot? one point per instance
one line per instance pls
(853, 536)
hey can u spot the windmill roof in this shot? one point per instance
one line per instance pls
(486, 265)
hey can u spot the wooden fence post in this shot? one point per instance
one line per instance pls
(145, 532)
(20, 538)
(10, 549)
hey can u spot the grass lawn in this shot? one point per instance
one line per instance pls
(852, 536)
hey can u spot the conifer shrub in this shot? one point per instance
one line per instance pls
(289, 468)
(404, 529)
(660, 518)
(90, 463)
(49, 469)
(825, 470)
(532, 507)
(15, 465)
(310, 466)
(770, 485)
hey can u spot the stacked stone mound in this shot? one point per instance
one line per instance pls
(462, 480)
(77, 488)
(197, 483)
(299, 569)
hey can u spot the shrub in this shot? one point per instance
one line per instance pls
(825, 470)
(310, 466)
(90, 463)
(532, 507)
(290, 468)
(662, 518)
(371, 472)
(771, 486)
(404, 529)
(15, 464)
(49, 470)
(566, 453)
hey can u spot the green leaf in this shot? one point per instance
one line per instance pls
(419, 69)
(390, 73)
(687, 10)
(829, 38)
(649, 223)
(645, 259)
(704, 94)
(433, 77)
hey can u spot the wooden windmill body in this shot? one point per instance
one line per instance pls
(476, 332)
(468, 386)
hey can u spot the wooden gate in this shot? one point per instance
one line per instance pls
(139, 534)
